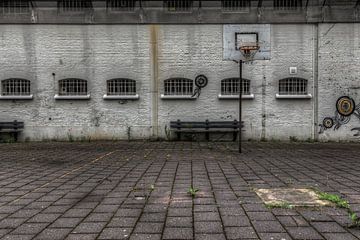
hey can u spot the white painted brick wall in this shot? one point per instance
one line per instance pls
(101, 52)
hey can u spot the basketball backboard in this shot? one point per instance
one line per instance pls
(237, 36)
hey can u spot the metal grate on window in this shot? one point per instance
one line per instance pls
(72, 87)
(121, 5)
(286, 5)
(235, 5)
(293, 86)
(230, 86)
(73, 5)
(14, 6)
(178, 86)
(15, 87)
(178, 5)
(121, 86)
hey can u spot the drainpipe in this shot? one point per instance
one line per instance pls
(316, 81)
(154, 82)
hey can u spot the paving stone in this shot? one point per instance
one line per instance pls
(123, 222)
(44, 218)
(153, 217)
(178, 233)
(29, 228)
(72, 236)
(140, 236)
(208, 227)
(268, 226)
(53, 233)
(98, 217)
(18, 237)
(89, 227)
(303, 233)
(236, 221)
(147, 227)
(180, 212)
(11, 222)
(274, 236)
(208, 216)
(66, 222)
(261, 216)
(115, 233)
(212, 236)
(328, 227)
(240, 233)
(339, 236)
(179, 222)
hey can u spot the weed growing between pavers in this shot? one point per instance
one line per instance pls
(193, 191)
(285, 205)
(341, 203)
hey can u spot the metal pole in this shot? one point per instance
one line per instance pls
(240, 102)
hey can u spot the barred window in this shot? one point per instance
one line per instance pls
(121, 86)
(235, 5)
(15, 87)
(230, 86)
(121, 5)
(72, 87)
(73, 5)
(178, 5)
(14, 6)
(178, 86)
(287, 4)
(293, 86)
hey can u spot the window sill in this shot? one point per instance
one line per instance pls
(306, 96)
(121, 97)
(14, 97)
(72, 97)
(177, 97)
(230, 97)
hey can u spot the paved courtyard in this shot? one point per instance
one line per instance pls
(138, 190)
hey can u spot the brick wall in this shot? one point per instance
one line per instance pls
(101, 52)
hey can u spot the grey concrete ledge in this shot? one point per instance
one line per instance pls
(179, 97)
(305, 96)
(72, 97)
(230, 97)
(13, 97)
(121, 97)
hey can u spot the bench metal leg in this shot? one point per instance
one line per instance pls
(234, 136)
(178, 136)
(207, 136)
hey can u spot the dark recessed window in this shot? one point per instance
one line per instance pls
(235, 5)
(293, 86)
(121, 5)
(230, 86)
(178, 5)
(286, 5)
(74, 5)
(14, 6)
(15, 87)
(72, 87)
(178, 86)
(121, 86)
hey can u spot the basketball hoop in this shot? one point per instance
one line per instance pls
(248, 50)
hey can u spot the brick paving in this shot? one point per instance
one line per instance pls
(138, 190)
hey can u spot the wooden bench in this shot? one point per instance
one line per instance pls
(12, 127)
(206, 127)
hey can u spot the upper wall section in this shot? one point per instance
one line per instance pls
(173, 11)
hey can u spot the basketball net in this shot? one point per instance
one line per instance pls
(248, 50)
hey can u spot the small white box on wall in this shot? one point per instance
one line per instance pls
(293, 70)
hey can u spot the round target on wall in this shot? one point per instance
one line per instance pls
(345, 106)
(201, 81)
(328, 122)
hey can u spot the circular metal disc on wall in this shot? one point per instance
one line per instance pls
(328, 122)
(345, 106)
(201, 81)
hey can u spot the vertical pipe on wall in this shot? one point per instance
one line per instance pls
(154, 81)
(316, 80)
